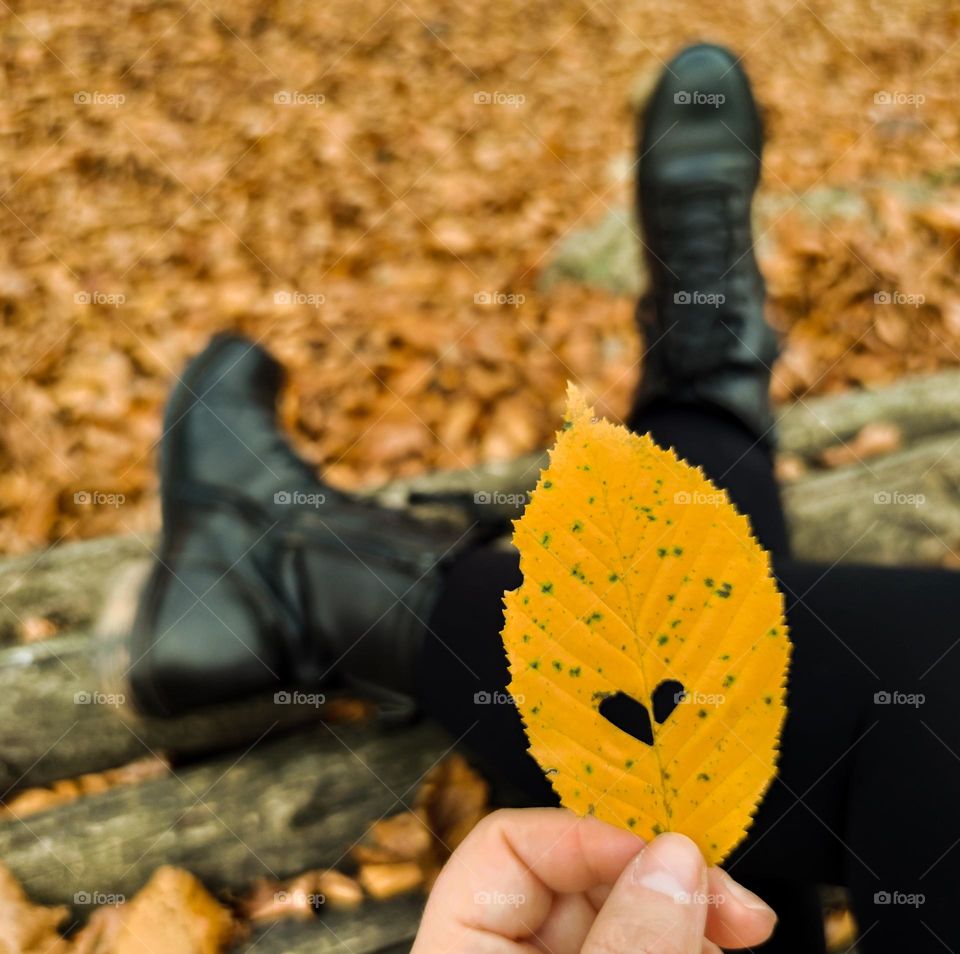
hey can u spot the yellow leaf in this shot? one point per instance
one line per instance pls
(648, 650)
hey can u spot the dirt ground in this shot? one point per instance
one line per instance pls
(373, 190)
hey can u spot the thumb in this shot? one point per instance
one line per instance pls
(659, 903)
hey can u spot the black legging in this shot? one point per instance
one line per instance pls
(868, 791)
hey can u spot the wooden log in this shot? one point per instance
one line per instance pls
(58, 719)
(869, 512)
(378, 927)
(901, 509)
(65, 584)
(921, 406)
(68, 584)
(272, 810)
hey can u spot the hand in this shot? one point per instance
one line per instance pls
(541, 879)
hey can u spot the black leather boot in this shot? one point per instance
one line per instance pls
(699, 144)
(267, 578)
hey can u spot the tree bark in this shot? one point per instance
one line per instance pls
(272, 810)
(378, 927)
(922, 406)
(59, 720)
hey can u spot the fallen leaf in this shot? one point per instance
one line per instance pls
(872, 440)
(647, 646)
(384, 881)
(27, 928)
(174, 913)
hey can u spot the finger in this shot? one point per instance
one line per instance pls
(658, 903)
(710, 948)
(598, 895)
(736, 917)
(503, 877)
(570, 919)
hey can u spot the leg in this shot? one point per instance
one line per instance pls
(706, 377)
(871, 755)
(729, 455)
(865, 791)
(732, 457)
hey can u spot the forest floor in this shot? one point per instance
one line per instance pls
(374, 191)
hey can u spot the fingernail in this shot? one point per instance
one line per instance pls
(670, 865)
(743, 895)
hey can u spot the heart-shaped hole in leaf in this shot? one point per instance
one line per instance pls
(628, 715)
(666, 697)
(633, 717)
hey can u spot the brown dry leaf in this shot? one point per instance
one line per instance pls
(34, 629)
(840, 929)
(487, 192)
(33, 800)
(455, 798)
(941, 218)
(271, 900)
(872, 440)
(99, 934)
(344, 711)
(300, 897)
(27, 928)
(382, 881)
(406, 837)
(339, 890)
(789, 468)
(173, 913)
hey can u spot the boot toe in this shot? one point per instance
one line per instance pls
(703, 99)
(200, 644)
